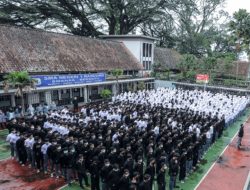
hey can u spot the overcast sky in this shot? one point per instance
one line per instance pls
(234, 5)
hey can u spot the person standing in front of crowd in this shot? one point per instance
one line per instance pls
(240, 135)
(75, 104)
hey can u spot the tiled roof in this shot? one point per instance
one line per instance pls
(39, 51)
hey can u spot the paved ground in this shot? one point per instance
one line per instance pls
(231, 170)
(15, 177)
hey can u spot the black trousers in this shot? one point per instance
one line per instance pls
(82, 176)
(22, 156)
(39, 160)
(95, 185)
(161, 186)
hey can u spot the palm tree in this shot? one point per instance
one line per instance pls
(21, 82)
(116, 73)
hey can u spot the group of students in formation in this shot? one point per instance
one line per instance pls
(132, 143)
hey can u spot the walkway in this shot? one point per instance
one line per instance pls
(231, 170)
(15, 177)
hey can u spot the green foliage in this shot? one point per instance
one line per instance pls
(116, 73)
(130, 88)
(240, 29)
(21, 81)
(106, 93)
(141, 85)
(188, 62)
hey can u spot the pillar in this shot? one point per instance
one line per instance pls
(114, 90)
(85, 94)
(70, 93)
(48, 97)
(135, 86)
(59, 95)
(81, 92)
(13, 101)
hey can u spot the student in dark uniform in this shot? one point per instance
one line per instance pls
(151, 171)
(21, 149)
(81, 171)
(113, 177)
(161, 178)
(240, 135)
(124, 181)
(139, 167)
(173, 172)
(106, 169)
(183, 160)
(146, 183)
(94, 174)
(37, 153)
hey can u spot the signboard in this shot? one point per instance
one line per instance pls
(202, 78)
(58, 80)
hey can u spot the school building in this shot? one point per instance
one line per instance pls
(66, 66)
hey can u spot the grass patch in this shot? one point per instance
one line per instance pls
(4, 146)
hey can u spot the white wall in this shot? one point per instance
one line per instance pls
(135, 46)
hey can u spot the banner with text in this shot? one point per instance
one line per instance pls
(202, 78)
(58, 80)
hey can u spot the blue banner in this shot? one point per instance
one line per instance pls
(58, 80)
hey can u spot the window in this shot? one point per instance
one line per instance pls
(144, 50)
(144, 65)
(150, 50)
(147, 50)
(147, 65)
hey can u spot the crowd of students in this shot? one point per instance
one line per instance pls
(131, 143)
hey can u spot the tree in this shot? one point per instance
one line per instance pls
(106, 93)
(188, 26)
(240, 28)
(21, 82)
(116, 73)
(188, 63)
(79, 17)
(65, 15)
(123, 16)
(141, 85)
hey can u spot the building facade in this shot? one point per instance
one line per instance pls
(142, 47)
(66, 66)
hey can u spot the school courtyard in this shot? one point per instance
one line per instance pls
(224, 167)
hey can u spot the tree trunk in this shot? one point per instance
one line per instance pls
(117, 86)
(112, 26)
(22, 102)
